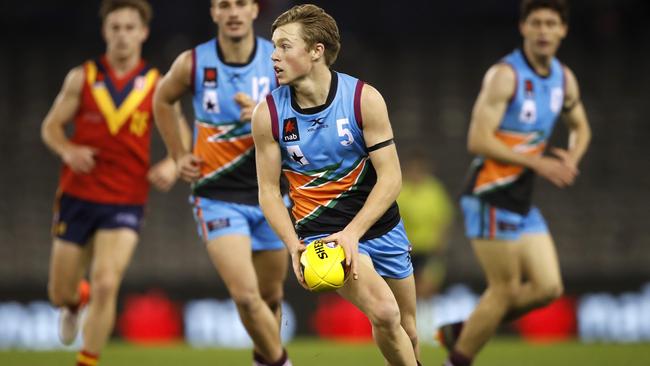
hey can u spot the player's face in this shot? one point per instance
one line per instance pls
(543, 30)
(124, 32)
(234, 17)
(291, 58)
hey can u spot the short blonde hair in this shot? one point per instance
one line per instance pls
(317, 27)
(142, 6)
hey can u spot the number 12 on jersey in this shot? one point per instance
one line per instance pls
(261, 87)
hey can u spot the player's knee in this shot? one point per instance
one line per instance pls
(273, 298)
(60, 296)
(56, 296)
(408, 323)
(549, 293)
(412, 332)
(385, 315)
(506, 292)
(105, 286)
(246, 299)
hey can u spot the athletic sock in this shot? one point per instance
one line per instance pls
(283, 361)
(448, 334)
(458, 359)
(85, 358)
(84, 296)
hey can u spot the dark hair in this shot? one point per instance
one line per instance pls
(142, 6)
(317, 27)
(559, 6)
(213, 1)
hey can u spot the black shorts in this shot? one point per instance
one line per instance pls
(77, 220)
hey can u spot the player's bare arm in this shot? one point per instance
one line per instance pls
(163, 175)
(496, 91)
(378, 136)
(574, 115)
(269, 168)
(499, 85)
(78, 157)
(168, 92)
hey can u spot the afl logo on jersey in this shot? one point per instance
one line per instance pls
(210, 77)
(290, 131)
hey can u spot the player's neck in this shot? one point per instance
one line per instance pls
(237, 51)
(122, 65)
(540, 64)
(312, 91)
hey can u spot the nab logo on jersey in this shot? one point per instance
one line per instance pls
(290, 130)
(210, 77)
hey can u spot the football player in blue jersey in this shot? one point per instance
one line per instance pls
(227, 76)
(329, 133)
(521, 98)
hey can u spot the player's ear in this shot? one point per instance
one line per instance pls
(317, 51)
(565, 29)
(256, 9)
(103, 31)
(145, 33)
(213, 12)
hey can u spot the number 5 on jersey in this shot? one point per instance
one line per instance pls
(342, 126)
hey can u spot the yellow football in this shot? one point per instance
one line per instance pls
(323, 266)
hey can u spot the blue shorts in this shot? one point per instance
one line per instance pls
(390, 253)
(218, 218)
(484, 221)
(77, 220)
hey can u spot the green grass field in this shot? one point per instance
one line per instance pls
(310, 352)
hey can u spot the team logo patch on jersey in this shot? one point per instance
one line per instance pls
(210, 77)
(290, 131)
(295, 154)
(528, 87)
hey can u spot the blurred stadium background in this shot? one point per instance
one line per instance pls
(427, 58)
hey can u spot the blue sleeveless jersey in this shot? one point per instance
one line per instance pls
(526, 126)
(325, 159)
(223, 141)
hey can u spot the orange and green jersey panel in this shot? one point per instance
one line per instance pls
(325, 159)
(221, 140)
(525, 127)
